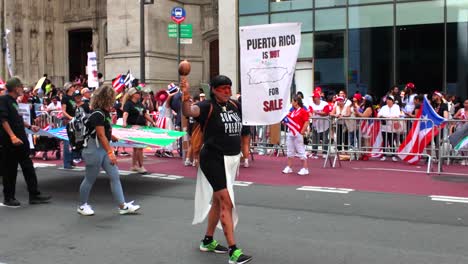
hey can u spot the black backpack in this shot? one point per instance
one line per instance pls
(78, 130)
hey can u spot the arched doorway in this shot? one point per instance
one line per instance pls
(80, 42)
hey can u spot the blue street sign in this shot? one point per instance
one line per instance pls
(178, 14)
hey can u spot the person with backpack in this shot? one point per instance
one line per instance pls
(98, 153)
(221, 120)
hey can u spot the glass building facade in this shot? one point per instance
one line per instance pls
(371, 45)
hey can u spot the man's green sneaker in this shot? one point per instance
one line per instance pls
(214, 246)
(238, 257)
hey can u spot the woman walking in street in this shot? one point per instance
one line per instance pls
(220, 118)
(99, 154)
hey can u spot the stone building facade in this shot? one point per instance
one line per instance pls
(53, 36)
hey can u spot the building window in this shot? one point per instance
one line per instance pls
(457, 11)
(252, 7)
(329, 61)
(284, 5)
(419, 13)
(307, 49)
(330, 19)
(370, 60)
(420, 56)
(371, 16)
(360, 2)
(253, 20)
(457, 59)
(306, 17)
(329, 3)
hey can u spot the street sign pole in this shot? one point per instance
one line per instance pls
(178, 50)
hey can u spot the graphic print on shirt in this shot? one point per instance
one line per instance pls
(232, 123)
(140, 110)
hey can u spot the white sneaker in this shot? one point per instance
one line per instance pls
(142, 170)
(287, 170)
(134, 168)
(246, 163)
(464, 163)
(383, 158)
(303, 171)
(195, 163)
(187, 162)
(129, 208)
(394, 159)
(85, 210)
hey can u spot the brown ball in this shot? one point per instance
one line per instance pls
(184, 68)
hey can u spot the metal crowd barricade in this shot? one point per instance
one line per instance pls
(262, 140)
(378, 137)
(447, 152)
(319, 139)
(42, 119)
(56, 119)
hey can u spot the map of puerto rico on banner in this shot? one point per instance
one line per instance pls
(268, 58)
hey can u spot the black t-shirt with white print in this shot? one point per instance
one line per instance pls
(224, 126)
(136, 113)
(70, 103)
(100, 118)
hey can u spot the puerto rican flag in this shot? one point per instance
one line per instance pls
(372, 129)
(119, 83)
(421, 134)
(293, 126)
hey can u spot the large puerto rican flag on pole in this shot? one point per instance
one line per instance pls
(268, 62)
(421, 133)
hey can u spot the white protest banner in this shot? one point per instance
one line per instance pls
(92, 70)
(8, 57)
(25, 111)
(268, 57)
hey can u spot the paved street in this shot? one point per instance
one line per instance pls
(279, 222)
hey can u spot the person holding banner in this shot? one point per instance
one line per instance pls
(99, 154)
(220, 119)
(297, 121)
(15, 146)
(135, 114)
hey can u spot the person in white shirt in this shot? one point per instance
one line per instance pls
(320, 127)
(341, 109)
(390, 110)
(55, 105)
(408, 100)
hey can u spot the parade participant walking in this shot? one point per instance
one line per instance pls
(68, 112)
(15, 145)
(297, 121)
(219, 164)
(135, 114)
(99, 154)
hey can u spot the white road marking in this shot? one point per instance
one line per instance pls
(163, 176)
(43, 165)
(451, 199)
(121, 172)
(74, 169)
(242, 183)
(324, 189)
(412, 171)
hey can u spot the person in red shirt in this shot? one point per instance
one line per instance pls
(297, 121)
